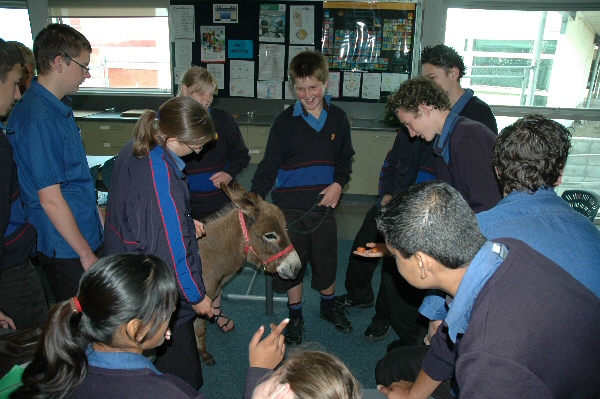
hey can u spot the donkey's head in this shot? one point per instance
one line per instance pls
(269, 244)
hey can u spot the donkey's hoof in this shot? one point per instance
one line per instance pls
(208, 360)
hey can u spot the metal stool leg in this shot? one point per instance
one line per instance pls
(269, 298)
(269, 293)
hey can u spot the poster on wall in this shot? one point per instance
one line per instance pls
(302, 22)
(218, 71)
(351, 84)
(213, 43)
(182, 23)
(271, 62)
(271, 23)
(268, 89)
(333, 84)
(369, 36)
(371, 86)
(225, 13)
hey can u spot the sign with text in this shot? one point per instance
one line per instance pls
(240, 49)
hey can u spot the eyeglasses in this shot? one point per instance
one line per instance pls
(197, 150)
(83, 66)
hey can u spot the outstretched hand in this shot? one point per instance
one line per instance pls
(269, 352)
(375, 250)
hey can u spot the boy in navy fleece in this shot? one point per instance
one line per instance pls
(309, 152)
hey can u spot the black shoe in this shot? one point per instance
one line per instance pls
(376, 332)
(337, 317)
(293, 332)
(345, 301)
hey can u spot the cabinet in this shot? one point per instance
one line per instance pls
(105, 137)
(370, 148)
(256, 140)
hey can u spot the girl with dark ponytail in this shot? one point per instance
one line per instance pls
(91, 345)
(148, 211)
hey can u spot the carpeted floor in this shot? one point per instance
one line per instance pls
(226, 379)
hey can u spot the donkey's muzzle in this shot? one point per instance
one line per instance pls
(290, 266)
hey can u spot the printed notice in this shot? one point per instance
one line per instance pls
(225, 13)
(218, 71)
(333, 84)
(371, 86)
(391, 81)
(268, 89)
(241, 69)
(241, 87)
(270, 62)
(182, 25)
(302, 24)
(351, 84)
(271, 23)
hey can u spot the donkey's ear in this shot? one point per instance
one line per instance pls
(241, 198)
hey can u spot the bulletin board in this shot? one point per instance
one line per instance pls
(369, 45)
(247, 45)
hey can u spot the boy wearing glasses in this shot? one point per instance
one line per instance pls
(309, 152)
(56, 186)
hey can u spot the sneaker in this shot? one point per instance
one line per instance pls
(337, 317)
(293, 332)
(376, 332)
(345, 301)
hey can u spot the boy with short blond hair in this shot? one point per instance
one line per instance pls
(309, 152)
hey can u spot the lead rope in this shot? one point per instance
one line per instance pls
(312, 229)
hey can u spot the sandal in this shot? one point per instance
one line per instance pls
(225, 327)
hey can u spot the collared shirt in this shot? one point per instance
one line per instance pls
(547, 223)
(118, 360)
(48, 150)
(179, 163)
(482, 267)
(315, 123)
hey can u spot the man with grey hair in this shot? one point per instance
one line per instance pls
(510, 305)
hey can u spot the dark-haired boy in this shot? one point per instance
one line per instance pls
(56, 185)
(22, 301)
(511, 305)
(309, 152)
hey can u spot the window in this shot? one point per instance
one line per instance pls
(130, 46)
(546, 62)
(550, 61)
(15, 26)
(127, 53)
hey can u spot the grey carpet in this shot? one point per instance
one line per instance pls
(226, 379)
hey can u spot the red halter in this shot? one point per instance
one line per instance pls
(248, 246)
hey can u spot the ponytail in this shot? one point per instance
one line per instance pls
(180, 118)
(115, 290)
(145, 134)
(60, 363)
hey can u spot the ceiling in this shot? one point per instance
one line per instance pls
(593, 18)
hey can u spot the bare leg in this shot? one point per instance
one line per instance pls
(224, 322)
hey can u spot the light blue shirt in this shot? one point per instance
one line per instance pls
(118, 360)
(315, 123)
(545, 222)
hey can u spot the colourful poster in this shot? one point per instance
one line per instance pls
(213, 43)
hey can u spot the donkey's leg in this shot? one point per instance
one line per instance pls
(200, 329)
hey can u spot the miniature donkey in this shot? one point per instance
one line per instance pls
(250, 230)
